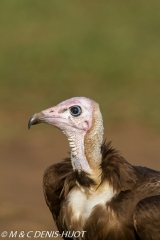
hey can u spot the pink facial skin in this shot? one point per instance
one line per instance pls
(61, 117)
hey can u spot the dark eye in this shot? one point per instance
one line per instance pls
(75, 111)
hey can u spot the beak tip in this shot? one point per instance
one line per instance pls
(30, 122)
(35, 119)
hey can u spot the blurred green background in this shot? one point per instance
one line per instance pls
(53, 50)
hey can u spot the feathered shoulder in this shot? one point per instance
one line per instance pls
(120, 174)
(60, 178)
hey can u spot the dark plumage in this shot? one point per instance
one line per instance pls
(132, 183)
(114, 201)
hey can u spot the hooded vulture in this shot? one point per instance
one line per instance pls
(95, 190)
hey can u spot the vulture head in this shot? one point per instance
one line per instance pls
(81, 121)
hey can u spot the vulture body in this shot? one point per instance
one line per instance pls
(96, 191)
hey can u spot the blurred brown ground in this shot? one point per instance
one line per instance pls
(23, 207)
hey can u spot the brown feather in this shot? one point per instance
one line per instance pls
(120, 174)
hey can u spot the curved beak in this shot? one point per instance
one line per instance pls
(35, 119)
(51, 116)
